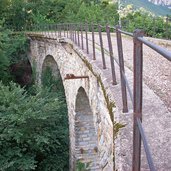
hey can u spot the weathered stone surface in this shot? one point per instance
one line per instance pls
(99, 90)
(90, 125)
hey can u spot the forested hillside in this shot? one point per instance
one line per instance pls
(20, 13)
(33, 119)
(161, 2)
(156, 9)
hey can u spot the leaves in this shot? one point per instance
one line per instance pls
(142, 19)
(32, 128)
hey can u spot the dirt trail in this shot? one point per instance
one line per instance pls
(156, 69)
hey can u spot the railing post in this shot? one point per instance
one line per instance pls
(56, 29)
(67, 27)
(86, 29)
(82, 41)
(167, 25)
(37, 28)
(73, 37)
(137, 109)
(154, 26)
(60, 30)
(46, 29)
(122, 69)
(41, 27)
(48, 35)
(111, 55)
(101, 45)
(64, 29)
(51, 31)
(78, 34)
(75, 31)
(70, 31)
(93, 42)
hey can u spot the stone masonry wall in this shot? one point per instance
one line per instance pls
(86, 149)
(95, 116)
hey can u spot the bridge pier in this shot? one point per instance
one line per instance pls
(89, 107)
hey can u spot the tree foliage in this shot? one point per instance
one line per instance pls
(33, 130)
(12, 50)
(158, 10)
(21, 14)
(33, 123)
(142, 19)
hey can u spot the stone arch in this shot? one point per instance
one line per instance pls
(50, 62)
(86, 145)
(51, 71)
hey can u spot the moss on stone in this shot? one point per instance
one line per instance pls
(36, 35)
(117, 126)
(109, 103)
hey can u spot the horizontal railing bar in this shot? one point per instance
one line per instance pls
(125, 32)
(125, 79)
(128, 87)
(165, 53)
(146, 147)
(117, 62)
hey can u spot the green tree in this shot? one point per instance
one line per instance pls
(33, 130)
(4, 59)
(13, 48)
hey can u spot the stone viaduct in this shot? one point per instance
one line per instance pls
(90, 109)
(94, 114)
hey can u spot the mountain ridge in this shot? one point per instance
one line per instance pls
(157, 9)
(161, 2)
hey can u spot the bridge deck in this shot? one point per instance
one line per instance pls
(156, 103)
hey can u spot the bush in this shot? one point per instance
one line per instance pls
(13, 49)
(142, 19)
(33, 130)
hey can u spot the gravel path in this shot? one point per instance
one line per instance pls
(156, 69)
(156, 102)
(156, 105)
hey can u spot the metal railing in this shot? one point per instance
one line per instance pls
(78, 33)
(153, 26)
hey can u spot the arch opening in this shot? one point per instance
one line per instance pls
(86, 141)
(50, 76)
(22, 73)
(52, 81)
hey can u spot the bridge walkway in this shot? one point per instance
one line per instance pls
(156, 102)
